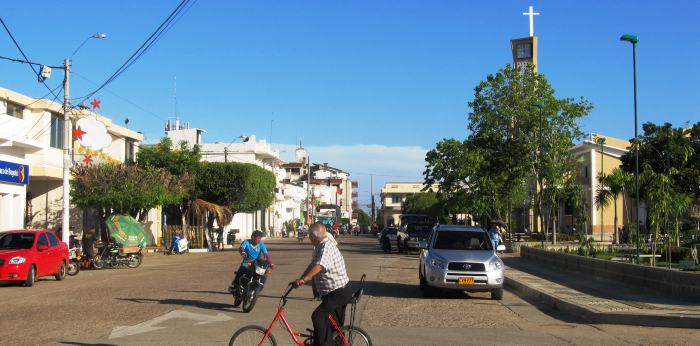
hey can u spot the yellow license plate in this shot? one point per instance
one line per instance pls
(466, 280)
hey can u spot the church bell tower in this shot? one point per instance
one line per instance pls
(525, 49)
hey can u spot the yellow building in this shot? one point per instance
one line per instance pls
(595, 159)
(392, 196)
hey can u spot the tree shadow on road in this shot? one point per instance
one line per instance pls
(183, 302)
(77, 343)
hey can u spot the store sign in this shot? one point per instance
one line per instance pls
(14, 173)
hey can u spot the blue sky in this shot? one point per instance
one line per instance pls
(397, 74)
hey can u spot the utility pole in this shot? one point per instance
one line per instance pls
(225, 154)
(371, 192)
(66, 152)
(309, 213)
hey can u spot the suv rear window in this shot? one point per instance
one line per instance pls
(422, 229)
(461, 240)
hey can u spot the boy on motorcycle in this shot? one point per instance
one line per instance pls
(250, 250)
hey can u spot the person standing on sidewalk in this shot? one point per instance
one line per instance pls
(493, 234)
(330, 280)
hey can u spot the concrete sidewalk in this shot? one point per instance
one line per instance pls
(597, 300)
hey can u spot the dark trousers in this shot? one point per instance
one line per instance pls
(333, 303)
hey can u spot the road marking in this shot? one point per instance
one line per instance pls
(151, 325)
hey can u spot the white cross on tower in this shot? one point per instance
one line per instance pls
(532, 15)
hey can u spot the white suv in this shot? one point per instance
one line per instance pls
(460, 258)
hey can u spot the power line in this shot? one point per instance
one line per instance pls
(145, 46)
(121, 97)
(31, 65)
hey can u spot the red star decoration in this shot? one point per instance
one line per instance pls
(88, 159)
(95, 103)
(78, 134)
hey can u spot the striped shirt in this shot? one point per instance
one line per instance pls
(333, 274)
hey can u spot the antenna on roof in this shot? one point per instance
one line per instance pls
(175, 95)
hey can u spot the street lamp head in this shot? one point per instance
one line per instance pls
(629, 38)
(99, 36)
(243, 138)
(538, 104)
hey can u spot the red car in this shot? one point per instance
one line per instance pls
(28, 254)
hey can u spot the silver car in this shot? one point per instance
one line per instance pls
(460, 258)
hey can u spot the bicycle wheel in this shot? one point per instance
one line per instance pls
(354, 335)
(251, 335)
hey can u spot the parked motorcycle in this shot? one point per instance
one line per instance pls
(178, 246)
(251, 284)
(114, 255)
(74, 262)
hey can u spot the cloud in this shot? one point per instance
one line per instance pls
(384, 163)
(95, 136)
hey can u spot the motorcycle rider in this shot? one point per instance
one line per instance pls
(250, 250)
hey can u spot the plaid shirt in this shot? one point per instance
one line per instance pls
(333, 274)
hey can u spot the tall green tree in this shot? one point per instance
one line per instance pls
(662, 147)
(180, 160)
(176, 159)
(362, 218)
(510, 145)
(242, 187)
(426, 203)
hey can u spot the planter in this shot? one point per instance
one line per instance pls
(687, 265)
(684, 285)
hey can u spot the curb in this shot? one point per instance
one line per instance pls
(671, 321)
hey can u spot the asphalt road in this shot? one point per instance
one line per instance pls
(181, 300)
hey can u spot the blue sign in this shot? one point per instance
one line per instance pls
(14, 173)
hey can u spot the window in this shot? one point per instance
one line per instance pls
(14, 110)
(129, 151)
(57, 131)
(52, 239)
(395, 199)
(459, 240)
(42, 240)
(16, 241)
(524, 51)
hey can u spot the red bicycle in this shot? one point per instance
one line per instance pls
(345, 335)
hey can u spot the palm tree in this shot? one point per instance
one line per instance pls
(610, 187)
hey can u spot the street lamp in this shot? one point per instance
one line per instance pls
(242, 138)
(67, 142)
(98, 36)
(540, 105)
(633, 40)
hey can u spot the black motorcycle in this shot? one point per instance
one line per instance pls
(250, 284)
(114, 255)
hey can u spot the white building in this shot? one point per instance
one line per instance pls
(248, 149)
(32, 134)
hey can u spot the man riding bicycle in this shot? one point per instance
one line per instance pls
(330, 280)
(250, 250)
